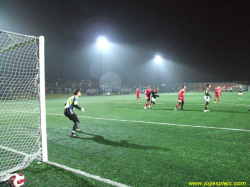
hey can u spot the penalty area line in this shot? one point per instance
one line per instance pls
(169, 124)
(88, 175)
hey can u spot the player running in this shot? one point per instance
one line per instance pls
(217, 92)
(138, 94)
(147, 95)
(181, 98)
(207, 97)
(154, 95)
(69, 112)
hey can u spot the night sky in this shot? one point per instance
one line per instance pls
(200, 40)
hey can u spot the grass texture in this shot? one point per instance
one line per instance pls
(123, 142)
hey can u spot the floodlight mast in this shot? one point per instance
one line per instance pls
(103, 44)
(159, 61)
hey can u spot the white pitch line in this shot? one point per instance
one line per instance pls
(88, 175)
(170, 124)
(14, 151)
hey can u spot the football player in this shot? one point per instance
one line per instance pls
(147, 95)
(240, 92)
(154, 95)
(217, 92)
(138, 94)
(207, 97)
(72, 103)
(181, 98)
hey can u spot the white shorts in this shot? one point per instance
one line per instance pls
(240, 93)
(153, 99)
(206, 98)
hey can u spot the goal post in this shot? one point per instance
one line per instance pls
(42, 99)
(22, 102)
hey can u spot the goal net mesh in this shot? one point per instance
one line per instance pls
(20, 140)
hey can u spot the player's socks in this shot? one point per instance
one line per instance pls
(75, 126)
(206, 106)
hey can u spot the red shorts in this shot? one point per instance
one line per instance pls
(180, 99)
(217, 95)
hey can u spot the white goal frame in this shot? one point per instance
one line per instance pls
(42, 98)
(43, 153)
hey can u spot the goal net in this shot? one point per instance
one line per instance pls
(20, 101)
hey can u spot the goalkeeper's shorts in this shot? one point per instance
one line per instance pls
(71, 115)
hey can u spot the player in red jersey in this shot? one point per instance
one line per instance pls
(181, 98)
(147, 95)
(217, 92)
(220, 89)
(138, 94)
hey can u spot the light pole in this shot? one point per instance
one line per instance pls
(103, 44)
(158, 59)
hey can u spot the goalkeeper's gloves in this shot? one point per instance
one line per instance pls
(82, 109)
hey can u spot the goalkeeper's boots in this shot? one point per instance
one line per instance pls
(73, 135)
(182, 108)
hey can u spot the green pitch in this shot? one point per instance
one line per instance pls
(123, 142)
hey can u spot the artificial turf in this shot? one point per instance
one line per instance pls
(123, 142)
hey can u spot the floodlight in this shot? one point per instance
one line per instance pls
(158, 58)
(102, 42)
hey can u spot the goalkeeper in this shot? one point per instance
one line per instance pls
(154, 95)
(69, 111)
